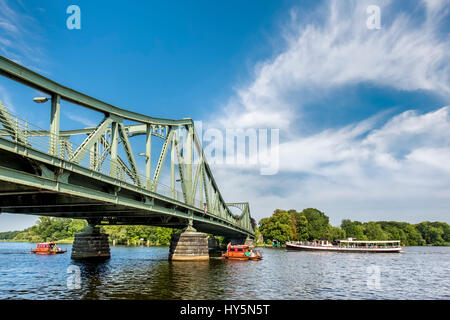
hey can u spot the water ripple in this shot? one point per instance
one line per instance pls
(145, 273)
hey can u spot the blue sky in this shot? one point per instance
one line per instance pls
(362, 113)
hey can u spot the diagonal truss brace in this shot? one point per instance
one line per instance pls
(92, 138)
(11, 127)
(205, 187)
(161, 159)
(198, 172)
(130, 156)
(105, 153)
(181, 169)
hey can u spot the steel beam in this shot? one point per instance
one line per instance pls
(162, 158)
(148, 157)
(114, 141)
(130, 156)
(93, 137)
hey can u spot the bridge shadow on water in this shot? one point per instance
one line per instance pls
(94, 276)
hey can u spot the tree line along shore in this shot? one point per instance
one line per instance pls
(284, 225)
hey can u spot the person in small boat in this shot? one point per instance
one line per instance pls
(247, 253)
(252, 254)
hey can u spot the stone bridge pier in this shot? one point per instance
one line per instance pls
(189, 245)
(90, 244)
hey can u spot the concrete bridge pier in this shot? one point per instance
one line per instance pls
(189, 245)
(90, 244)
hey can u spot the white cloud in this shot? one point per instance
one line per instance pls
(81, 119)
(6, 99)
(438, 158)
(20, 37)
(340, 50)
(399, 170)
(403, 167)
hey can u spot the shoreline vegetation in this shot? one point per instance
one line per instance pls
(63, 230)
(307, 225)
(312, 224)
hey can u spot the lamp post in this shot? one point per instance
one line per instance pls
(40, 99)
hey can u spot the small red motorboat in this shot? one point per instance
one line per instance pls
(47, 248)
(241, 252)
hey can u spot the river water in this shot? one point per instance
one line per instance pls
(145, 273)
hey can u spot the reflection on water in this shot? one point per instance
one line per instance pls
(145, 273)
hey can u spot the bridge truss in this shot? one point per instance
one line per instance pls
(43, 172)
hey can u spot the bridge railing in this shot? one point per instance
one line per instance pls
(25, 133)
(32, 136)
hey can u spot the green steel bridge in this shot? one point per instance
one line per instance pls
(43, 172)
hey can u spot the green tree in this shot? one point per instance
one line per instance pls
(373, 231)
(432, 234)
(353, 229)
(317, 223)
(335, 233)
(302, 227)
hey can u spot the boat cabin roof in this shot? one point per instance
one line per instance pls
(368, 241)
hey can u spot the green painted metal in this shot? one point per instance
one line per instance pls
(182, 169)
(161, 159)
(92, 138)
(11, 128)
(130, 156)
(172, 167)
(32, 79)
(140, 197)
(148, 157)
(54, 124)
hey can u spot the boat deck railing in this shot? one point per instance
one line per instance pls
(352, 244)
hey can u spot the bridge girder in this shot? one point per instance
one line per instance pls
(107, 179)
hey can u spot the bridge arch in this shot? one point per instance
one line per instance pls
(44, 173)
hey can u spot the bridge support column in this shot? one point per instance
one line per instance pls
(189, 245)
(91, 244)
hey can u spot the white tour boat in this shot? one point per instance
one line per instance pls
(348, 245)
